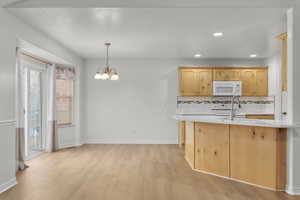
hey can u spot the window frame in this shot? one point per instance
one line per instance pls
(72, 123)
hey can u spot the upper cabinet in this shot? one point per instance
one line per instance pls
(196, 82)
(254, 82)
(223, 74)
(248, 82)
(199, 81)
(261, 83)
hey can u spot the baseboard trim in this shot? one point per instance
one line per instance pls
(68, 145)
(9, 184)
(292, 190)
(128, 141)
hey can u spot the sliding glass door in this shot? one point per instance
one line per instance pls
(34, 112)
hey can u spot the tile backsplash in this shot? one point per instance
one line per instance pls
(222, 105)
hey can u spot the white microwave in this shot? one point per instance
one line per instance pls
(227, 88)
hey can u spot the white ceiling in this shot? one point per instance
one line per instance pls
(148, 3)
(159, 32)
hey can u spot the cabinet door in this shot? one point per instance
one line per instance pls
(181, 134)
(212, 148)
(248, 79)
(189, 84)
(205, 82)
(253, 154)
(261, 82)
(227, 75)
(189, 143)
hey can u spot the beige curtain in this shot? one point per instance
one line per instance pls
(20, 115)
(52, 137)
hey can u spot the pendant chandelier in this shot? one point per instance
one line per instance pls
(107, 73)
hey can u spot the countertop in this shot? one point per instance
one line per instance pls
(235, 121)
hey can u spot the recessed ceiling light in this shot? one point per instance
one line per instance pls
(197, 55)
(253, 56)
(218, 34)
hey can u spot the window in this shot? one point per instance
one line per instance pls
(64, 98)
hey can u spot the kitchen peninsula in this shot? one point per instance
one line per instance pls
(249, 147)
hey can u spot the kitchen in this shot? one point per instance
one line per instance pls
(228, 126)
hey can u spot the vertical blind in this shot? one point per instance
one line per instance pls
(64, 95)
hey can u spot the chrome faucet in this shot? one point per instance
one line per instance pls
(232, 111)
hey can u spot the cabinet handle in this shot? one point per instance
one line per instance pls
(262, 137)
(215, 153)
(198, 150)
(253, 133)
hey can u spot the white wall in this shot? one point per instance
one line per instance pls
(139, 107)
(11, 29)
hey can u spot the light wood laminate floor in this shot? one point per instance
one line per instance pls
(126, 172)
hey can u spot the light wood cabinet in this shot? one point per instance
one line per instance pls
(196, 82)
(212, 148)
(254, 82)
(199, 81)
(257, 155)
(227, 74)
(181, 134)
(261, 82)
(248, 82)
(205, 80)
(189, 143)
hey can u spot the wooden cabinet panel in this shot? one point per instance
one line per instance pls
(189, 143)
(196, 82)
(205, 81)
(227, 74)
(212, 148)
(254, 82)
(188, 83)
(181, 134)
(248, 82)
(253, 155)
(261, 83)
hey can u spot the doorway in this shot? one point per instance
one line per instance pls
(34, 112)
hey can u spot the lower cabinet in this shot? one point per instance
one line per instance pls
(190, 143)
(212, 148)
(256, 155)
(181, 134)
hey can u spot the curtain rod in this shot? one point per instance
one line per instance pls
(35, 58)
(39, 59)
